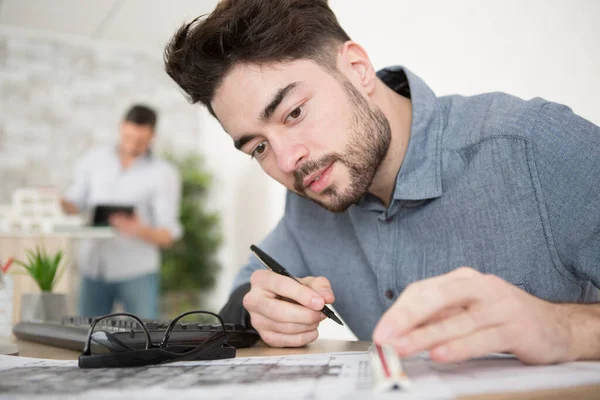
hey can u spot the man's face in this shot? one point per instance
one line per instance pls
(135, 139)
(310, 130)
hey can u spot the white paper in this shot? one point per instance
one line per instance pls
(497, 375)
(315, 377)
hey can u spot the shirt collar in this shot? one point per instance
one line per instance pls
(146, 157)
(419, 177)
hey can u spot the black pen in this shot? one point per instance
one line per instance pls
(274, 266)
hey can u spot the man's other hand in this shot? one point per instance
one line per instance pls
(465, 314)
(284, 312)
(68, 207)
(126, 225)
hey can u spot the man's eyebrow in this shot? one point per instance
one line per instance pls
(267, 112)
(277, 99)
(239, 143)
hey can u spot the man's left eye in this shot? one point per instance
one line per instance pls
(295, 114)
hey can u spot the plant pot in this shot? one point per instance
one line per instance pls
(44, 306)
(6, 305)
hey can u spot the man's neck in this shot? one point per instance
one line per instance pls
(126, 162)
(398, 110)
(125, 159)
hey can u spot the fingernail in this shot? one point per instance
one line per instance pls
(317, 303)
(382, 333)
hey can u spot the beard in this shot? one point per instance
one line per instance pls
(370, 138)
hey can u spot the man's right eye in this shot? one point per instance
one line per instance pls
(259, 150)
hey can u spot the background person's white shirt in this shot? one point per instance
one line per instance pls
(151, 185)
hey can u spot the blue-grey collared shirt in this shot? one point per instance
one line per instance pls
(507, 186)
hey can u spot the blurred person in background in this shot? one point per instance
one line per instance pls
(126, 268)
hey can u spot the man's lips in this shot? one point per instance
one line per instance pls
(309, 179)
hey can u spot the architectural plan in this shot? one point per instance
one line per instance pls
(309, 377)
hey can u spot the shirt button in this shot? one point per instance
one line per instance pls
(389, 294)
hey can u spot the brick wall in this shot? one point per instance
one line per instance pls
(61, 96)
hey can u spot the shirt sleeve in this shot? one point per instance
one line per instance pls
(567, 154)
(281, 245)
(166, 204)
(78, 192)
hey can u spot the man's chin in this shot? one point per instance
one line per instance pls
(337, 208)
(331, 201)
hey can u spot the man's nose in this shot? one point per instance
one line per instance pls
(290, 156)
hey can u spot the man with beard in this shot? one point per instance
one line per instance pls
(126, 268)
(392, 190)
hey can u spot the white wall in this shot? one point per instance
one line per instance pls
(60, 92)
(547, 48)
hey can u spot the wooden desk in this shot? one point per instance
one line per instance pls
(37, 350)
(30, 349)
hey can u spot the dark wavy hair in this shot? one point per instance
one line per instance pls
(202, 52)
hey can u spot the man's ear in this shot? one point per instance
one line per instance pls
(354, 63)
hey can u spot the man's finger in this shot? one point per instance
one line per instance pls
(283, 311)
(441, 331)
(447, 313)
(267, 324)
(480, 343)
(321, 285)
(276, 339)
(287, 287)
(423, 300)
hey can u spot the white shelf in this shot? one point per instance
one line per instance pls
(71, 233)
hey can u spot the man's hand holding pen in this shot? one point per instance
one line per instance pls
(284, 312)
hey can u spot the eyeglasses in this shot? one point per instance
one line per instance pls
(104, 349)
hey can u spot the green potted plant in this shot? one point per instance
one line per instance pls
(46, 270)
(190, 267)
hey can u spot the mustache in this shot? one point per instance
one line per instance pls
(310, 167)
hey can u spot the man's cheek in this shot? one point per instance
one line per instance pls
(285, 181)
